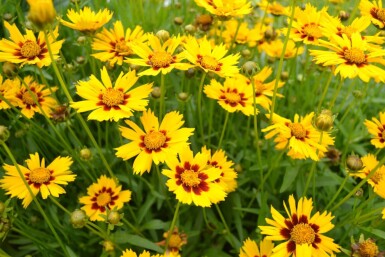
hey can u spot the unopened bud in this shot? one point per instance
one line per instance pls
(4, 133)
(80, 59)
(324, 120)
(183, 96)
(7, 16)
(343, 15)
(204, 21)
(178, 20)
(10, 69)
(190, 72)
(78, 218)
(156, 92)
(250, 68)
(284, 75)
(246, 53)
(85, 154)
(81, 40)
(238, 168)
(190, 29)
(114, 217)
(358, 94)
(354, 163)
(359, 192)
(108, 246)
(163, 35)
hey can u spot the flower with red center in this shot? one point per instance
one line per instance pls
(274, 48)
(8, 89)
(211, 59)
(303, 234)
(233, 95)
(250, 248)
(27, 49)
(112, 102)
(131, 253)
(114, 45)
(46, 180)
(274, 8)
(192, 180)
(158, 57)
(377, 129)
(33, 98)
(156, 143)
(226, 9)
(374, 10)
(105, 193)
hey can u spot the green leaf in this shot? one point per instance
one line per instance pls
(377, 232)
(154, 224)
(122, 237)
(289, 178)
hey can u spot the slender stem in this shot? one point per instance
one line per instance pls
(235, 35)
(325, 91)
(199, 102)
(336, 94)
(312, 169)
(173, 222)
(223, 130)
(226, 226)
(162, 96)
(53, 199)
(136, 230)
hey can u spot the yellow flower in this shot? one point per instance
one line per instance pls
(374, 10)
(111, 102)
(114, 45)
(46, 180)
(226, 9)
(228, 176)
(27, 49)
(86, 20)
(303, 234)
(105, 193)
(8, 89)
(203, 55)
(158, 57)
(41, 12)
(250, 248)
(377, 129)
(274, 48)
(273, 7)
(176, 240)
(366, 248)
(352, 56)
(377, 180)
(35, 99)
(192, 181)
(243, 35)
(156, 143)
(131, 253)
(300, 137)
(234, 95)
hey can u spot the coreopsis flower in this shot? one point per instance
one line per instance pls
(300, 137)
(105, 193)
(33, 97)
(211, 58)
(156, 143)
(265, 90)
(226, 9)
(86, 20)
(273, 8)
(175, 241)
(377, 180)
(366, 248)
(243, 34)
(352, 57)
(41, 12)
(377, 129)
(158, 57)
(274, 48)
(192, 180)
(306, 26)
(303, 233)
(374, 10)
(115, 44)
(234, 95)
(250, 248)
(8, 90)
(27, 49)
(109, 102)
(228, 175)
(40, 178)
(131, 253)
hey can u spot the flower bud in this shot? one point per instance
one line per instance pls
(60, 113)
(359, 192)
(190, 29)
(250, 68)
(80, 59)
(7, 16)
(78, 218)
(324, 120)
(238, 168)
(10, 69)
(85, 154)
(204, 21)
(284, 75)
(81, 40)
(41, 12)
(108, 246)
(114, 217)
(343, 15)
(183, 96)
(354, 163)
(4, 133)
(163, 35)
(156, 92)
(358, 94)
(178, 20)
(190, 72)
(246, 53)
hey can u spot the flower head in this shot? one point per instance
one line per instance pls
(303, 233)
(203, 55)
(131, 253)
(374, 10)
(250, 248)
(377, 129)
(274, 48)
(366, 248)
(27, 49)
(115, 44)
(156, 143)
(41, 12)
(243, 34)
(105, 193)
(226, 9)
(273, 7)
(110, 102)
(8, 89)
(39, 177)
(160, 58)
(192, 180)
(86, 20)
(175, 241)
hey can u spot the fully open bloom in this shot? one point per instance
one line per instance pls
(131, 253)
(8, 89)
(300, 137)
(250, 248)
(160, 58)
(274, 48)
(105, 193)
(111, 102)
(192, 181)
(203, 55)
(303, 234)
(233, 95)
(377, 129)
(352, 57)
(273, 7)
(374, 10)
(241, 32)
(156, 143)
(366, 248)
(226, 9)
(114, 45)
(39, 177)
(86, 20)
(27, 49)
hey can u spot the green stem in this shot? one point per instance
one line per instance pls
(173, 222)
(137, 231)
(338, 192)
(223, 130)
(199, 107)
(325, 91)
(312, 169)
(162, 97)
(336, 94)
(233, 244)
